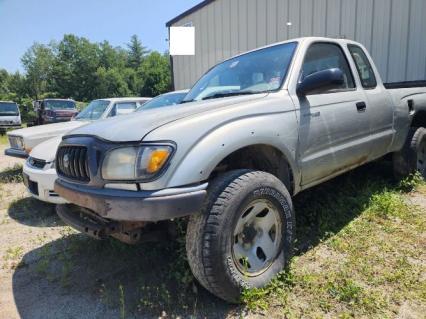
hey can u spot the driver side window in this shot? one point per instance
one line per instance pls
(322, 56)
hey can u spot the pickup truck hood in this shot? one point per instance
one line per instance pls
(134, 127)
(47, 130)
(47, 150)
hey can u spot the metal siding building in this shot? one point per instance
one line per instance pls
(394, 31)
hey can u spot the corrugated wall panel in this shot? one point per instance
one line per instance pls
(234, 27)
(243, 29)
(282, 19)
(271, 21)
(319, 18)
(416, 57)
(261, 11)
(392, 30)
(347, 21)
(364, 22)
(294, 18)
(252, 24)
(398, 40)
(306, 14)
(226, 22)
(211, 30)
(204, 36)
(218, 25)
(333, 18)
(380, 45)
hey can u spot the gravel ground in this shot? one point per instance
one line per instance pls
(7, 161)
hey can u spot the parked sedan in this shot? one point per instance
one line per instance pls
(39, 169)
(22, 141)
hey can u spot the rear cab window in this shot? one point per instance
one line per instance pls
(363, 66)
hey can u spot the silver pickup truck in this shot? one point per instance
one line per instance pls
(255, 130)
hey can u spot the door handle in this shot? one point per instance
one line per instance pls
(361, 106)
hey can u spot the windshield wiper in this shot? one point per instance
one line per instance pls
(188, 101)
(227, 94)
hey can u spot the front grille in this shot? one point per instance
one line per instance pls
(71, 162)
(36, 163)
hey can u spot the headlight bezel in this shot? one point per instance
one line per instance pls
(19, 141)
(171, 145)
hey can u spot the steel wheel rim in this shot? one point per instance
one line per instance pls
(257, 237)
(421, 158)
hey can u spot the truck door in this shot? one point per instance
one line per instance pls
(379, 104)
(333, 125)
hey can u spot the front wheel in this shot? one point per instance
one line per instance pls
(244, 234)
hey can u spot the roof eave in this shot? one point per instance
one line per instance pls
(188, 12)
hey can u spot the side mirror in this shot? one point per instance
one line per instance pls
(324, 80)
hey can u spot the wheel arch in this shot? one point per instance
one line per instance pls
(419, 119)
(252, 153)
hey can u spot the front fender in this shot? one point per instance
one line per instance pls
(278, 130)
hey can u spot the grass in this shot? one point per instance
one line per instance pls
(12, 257)
(3, 139)
(12, 175)
(361, 249)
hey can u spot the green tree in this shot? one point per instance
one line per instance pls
(155, 74)
(75, 67)
(136, 52)
(112, 57)
(38, 61)
(110, 83)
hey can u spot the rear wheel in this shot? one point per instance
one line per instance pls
(412, 157)
(243, 236)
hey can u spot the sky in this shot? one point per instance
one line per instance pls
(23, 22)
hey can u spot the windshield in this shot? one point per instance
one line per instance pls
(93, 111)
(163, 100)
(58, 104)
(259, 71)
(8, 109)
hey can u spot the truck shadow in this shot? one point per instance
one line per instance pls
(76, 276)
(32, 212)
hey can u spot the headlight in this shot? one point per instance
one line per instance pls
(16, 142)
(135, 162)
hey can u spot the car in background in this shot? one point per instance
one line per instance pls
(10, 116)
(22, 141)
(54, 110)
(39, 170)
(169, 98)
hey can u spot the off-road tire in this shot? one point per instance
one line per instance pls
(210, 233)
(406, 161)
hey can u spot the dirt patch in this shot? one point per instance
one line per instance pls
(8, 161)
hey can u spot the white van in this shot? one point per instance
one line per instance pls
(10, 117)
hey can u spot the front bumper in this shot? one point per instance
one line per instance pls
(125, 205)
(41, 183)
(10, 126)
(16, 153)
